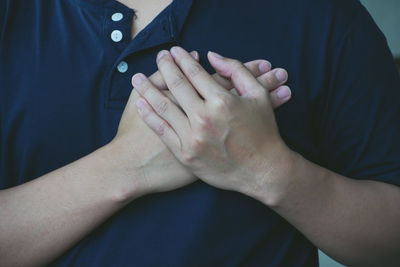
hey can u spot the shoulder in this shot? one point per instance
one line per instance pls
(11, 6)
(342, 7)
(328, 12)
(15, 14)
(308, 13)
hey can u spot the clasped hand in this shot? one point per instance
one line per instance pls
(230, 141)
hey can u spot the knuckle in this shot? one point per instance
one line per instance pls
(204, 122)
(146, 90)
(162, 106)
(178, 81)
(192, 69)
(161, 127)
(223, 102)
(145, 115)
(190, 153)
(271, 79)
(188, 158)
(197, 144)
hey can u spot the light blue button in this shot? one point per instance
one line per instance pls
(116, 36)
(122, 67)
(117, 16)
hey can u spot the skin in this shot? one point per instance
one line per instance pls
(145, 12)
(43, 218)
(232, 142)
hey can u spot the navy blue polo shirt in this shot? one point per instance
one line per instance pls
(65, 70)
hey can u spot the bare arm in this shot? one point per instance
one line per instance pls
(354, 221)
(44, 217)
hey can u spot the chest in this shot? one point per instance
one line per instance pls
(64, 94)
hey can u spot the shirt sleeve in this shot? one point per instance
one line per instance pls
(358, 121)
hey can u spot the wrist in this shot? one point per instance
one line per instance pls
(274, 179)
(124, 176)
(144, 170)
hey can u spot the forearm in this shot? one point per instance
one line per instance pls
(354, 221)
(43, 218)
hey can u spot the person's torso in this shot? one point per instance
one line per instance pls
(63, 90)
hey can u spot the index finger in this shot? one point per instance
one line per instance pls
(202, 81)
(158, 80)
(177, 83)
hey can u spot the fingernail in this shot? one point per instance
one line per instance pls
(283, 92)
(176, 50)
(140, 104)
(264, 66)
(161, 54)
(216, 55)
(281, 75)
(195, 55)
(137, 79)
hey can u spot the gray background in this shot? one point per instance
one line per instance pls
(386, 14)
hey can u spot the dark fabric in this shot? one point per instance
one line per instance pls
(62, 96)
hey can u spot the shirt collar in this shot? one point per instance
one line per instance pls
(99, 3)
(164, 29)
(172, 20)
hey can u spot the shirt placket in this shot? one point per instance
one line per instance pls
(162, 31)
(117, 28)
